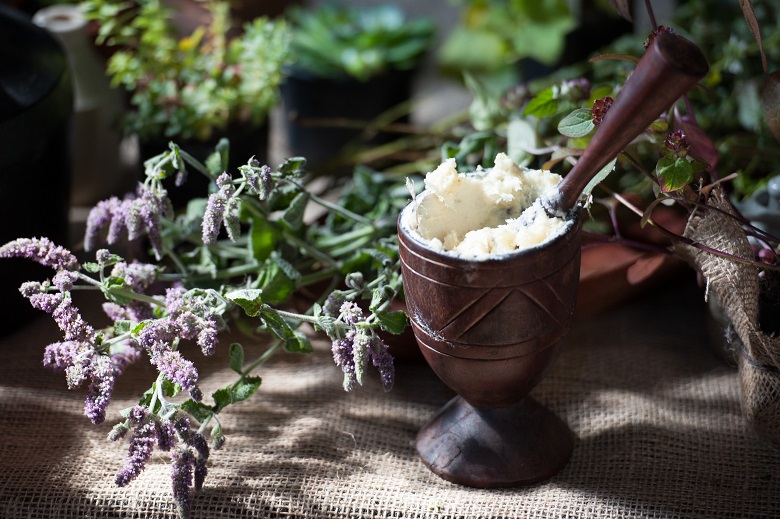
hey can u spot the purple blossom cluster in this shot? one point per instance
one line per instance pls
(191, 316)
(137, 216)
(43, 251)
(137, 277)
(223, 209)
(259, 179)
(359, 346)
(85, 360)
(189, 452)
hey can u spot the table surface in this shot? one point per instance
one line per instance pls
(656, 414)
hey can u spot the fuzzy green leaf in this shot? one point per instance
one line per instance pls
(198, 410)
(236, 357)
(542, 104)
(674, 173)
(245, 388)
(247, 298)
(577, 124)
(393, 322)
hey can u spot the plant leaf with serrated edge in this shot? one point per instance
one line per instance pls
(91, 266)
(121, 327)
(324, 321)
(393, 322)
(673, 174)
(298, 343)
(222, 398)
(292, 165)
(293, 215)
(198, 410)
(577, 124)
(236, 356)
(542, 104)
(245, 388)
(247, 298)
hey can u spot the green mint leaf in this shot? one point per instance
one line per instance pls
(393, 322)
(292, 166)
(293, 215)
(169, 388)
(577, 124)
(91, 266)
(198, 410)
(264, 238)
(236, 357)
(245, 388)
(122, 327)
(542, 104)
(674, 173)
(278, 279)
(325, 322)
(298, 343)
(222, 398)
(247, 298)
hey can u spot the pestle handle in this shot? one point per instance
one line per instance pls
(669, 68)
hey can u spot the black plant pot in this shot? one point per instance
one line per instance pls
(245, 142)
(324, 116)
(36, 104)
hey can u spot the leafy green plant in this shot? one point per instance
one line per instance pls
(361, 42)
(196, 85)
(495, 34)
(681, 157)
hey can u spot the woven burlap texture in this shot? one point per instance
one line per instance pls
(736, 287)
(656, 413)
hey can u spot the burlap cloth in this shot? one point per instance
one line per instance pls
(657, 415)
(735, 287)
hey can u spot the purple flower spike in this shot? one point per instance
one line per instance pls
(342, 356)
(181, 479)
(212, 217)
(41, 250)
(106, 213)
(103, 376)
(138, 453)
(383, 361)
(177, 369)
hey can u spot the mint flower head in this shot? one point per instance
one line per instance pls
(222, 208)
(41, 250)
(358, 347)
(137, 216)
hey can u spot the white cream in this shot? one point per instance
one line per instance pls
(484, 213)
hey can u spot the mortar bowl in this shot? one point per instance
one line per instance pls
(491, 330)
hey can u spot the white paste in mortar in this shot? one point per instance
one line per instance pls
(486, 213)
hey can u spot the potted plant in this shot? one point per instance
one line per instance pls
(348, 66)
(216, 81)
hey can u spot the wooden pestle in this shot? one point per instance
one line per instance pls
(669, 68)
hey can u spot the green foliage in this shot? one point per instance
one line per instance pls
(190, 87)
(361, 42)
(494, 34)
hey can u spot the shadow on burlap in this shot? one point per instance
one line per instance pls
(658, 418)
